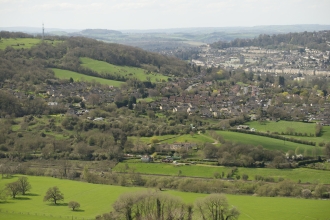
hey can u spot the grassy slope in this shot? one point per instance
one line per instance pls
(66, 74)
(96, 199)
(303, 174)
(170, 139)
(268, 143)
(281, 126)
(23, 42)
(104, 67)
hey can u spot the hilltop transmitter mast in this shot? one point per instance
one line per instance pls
(43, 31)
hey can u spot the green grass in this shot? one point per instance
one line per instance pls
(130, 72)
(97, 199)
(19, 43)
(66, 74)
(268, 143)
(303, 174)
(170, 139)
(171, 169)
(282, 126)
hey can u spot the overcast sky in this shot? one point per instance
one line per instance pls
(157, 14)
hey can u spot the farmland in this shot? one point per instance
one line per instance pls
(66, 74)
(129, 72)
(283, 126)
(19, 43)
(303, 174)
(268, 143)
(97, 199)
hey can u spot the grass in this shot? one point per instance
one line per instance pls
(170, 139)
(305, 175)
(66, 74)
(130, 72)
(96, 199)
(20, 43)
(283, 126)
(173, 170)
(268, 143)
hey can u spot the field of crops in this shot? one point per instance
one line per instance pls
(19, 43)
(66, 74)
(130, 72)
(303, 174)
(97, 199)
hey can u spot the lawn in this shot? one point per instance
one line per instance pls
(130, 72)
(19, 43)
(66, 74)
(303, 174)
(96, 199)
(268, 143)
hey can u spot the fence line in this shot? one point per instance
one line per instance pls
(46, 215)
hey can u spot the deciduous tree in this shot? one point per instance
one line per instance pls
(24, 185)
(216, 207)
(54, 195)
(74, 205)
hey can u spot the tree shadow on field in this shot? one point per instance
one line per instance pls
(58, 204)
(31, 194)
(78, 210)
(22, 198)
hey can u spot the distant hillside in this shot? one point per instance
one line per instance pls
(314, 40)
(99, 31)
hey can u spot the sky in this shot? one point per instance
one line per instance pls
(161, 14)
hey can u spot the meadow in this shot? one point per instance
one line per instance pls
(21, 43)
(66, 74)
(96, 199)
(130, 72)
(170, 139)
(283, 126)
(268, 143)
(305, 175)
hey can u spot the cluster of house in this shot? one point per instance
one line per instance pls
(255, 59)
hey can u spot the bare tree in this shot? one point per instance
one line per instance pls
(151, 205)
(216, 207)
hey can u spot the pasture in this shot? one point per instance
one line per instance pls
(268, 143)
(198, 139)
(130, 72)
(283, 126)
(303, 174)
(96, 199)
(66, 74)
(21, 43)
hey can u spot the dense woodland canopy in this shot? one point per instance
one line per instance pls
(313, 40)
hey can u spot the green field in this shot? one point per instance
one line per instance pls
(66, 74)
(283, 126)
(19, 43)
(96, 199)
(130, 72)
(268, 143)
(170, 139)
(303, 174)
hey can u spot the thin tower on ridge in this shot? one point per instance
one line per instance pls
(43, 31)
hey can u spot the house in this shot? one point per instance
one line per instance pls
(147, 159)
